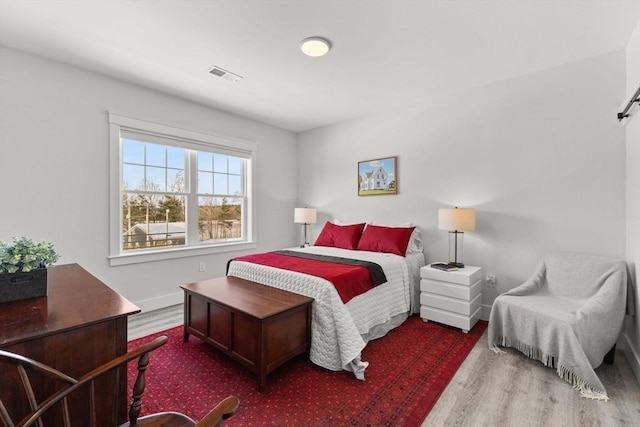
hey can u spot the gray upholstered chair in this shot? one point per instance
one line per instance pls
(568, 315)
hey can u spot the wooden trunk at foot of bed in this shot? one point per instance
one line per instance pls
(259, 326)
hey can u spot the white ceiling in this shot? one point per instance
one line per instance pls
(385, 53)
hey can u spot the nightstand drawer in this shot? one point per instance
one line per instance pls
(450, 289)
(456, 320)
(464, 276)
(455, 305)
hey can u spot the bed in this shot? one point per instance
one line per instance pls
(340, 331)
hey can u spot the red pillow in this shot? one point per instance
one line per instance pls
(392, 240)
(340, 236)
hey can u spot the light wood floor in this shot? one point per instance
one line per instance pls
(509, 389)
(498, 390)
(150, 322)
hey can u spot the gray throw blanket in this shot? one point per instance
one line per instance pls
(567, 315)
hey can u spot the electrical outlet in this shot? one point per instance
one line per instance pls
(491, 279)
(202, 266)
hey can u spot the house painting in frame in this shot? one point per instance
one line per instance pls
(377, 177)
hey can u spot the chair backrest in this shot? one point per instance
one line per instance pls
(581, 275)
(70, 385)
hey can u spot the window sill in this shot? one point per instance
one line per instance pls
(151, 256)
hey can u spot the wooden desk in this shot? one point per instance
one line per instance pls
(259, 326)
(79, 325)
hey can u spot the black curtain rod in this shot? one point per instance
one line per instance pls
(634, 98)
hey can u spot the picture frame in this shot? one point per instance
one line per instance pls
(378, 177)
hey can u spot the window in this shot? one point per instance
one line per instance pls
(177, 192)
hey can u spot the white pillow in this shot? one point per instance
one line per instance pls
(338, 221)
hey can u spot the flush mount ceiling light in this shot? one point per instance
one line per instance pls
(315, 46)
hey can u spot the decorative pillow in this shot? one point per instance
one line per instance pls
(340, 236)
(415, 242)
(385, 239)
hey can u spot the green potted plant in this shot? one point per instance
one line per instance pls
(23, 268)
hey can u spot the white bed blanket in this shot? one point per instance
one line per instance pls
(337, 328)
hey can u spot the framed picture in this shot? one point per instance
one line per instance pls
(377, 177)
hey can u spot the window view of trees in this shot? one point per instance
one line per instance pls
(151, 220)
(155, 196)
(218, 219)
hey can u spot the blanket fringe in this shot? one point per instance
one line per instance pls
(585, 389)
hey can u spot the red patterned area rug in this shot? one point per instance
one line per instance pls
(408, 370)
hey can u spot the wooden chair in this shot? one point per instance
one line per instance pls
(222, 411)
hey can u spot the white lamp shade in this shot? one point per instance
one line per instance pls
(304, 216)
(457, 219)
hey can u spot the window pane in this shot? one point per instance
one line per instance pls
(235, 185)
(205, 161)
(132, 151)
(219, 219)
(175, 181)
(220, 163)
(220, 183)
(156, 155)
(175, 157)
(132, 177)
(205, 183)
(155, 179)
(151, 221)
(235, 165)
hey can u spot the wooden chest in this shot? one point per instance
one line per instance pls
(259, 326)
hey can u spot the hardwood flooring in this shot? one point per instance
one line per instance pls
(509, 389)
(498, 390)
(150, 322)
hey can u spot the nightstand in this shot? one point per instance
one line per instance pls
(451, 297)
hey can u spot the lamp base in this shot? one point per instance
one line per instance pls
(456, 264)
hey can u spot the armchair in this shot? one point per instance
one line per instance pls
(567, 315)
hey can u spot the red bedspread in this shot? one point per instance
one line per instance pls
(349, 280)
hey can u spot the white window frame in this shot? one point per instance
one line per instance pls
(188, 139)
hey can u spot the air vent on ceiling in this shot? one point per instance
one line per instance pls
(221, 72)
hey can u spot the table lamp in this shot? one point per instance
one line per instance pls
(304, 216)
(456, 221)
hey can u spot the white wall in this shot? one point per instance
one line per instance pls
(541, 158)
(631, 336)
(54, 176)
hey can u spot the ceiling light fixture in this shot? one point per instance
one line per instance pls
(315, 46)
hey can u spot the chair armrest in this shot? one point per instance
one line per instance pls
(222, 411)
(122, 360)
(532, 284)
(608, 302)
(598, 322)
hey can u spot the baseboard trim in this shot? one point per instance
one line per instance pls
(486, 311)
(162, 301)
(632, 355)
